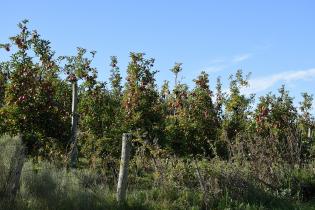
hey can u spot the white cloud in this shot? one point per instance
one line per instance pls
(242, 57)
(264, 83)
(220, 64)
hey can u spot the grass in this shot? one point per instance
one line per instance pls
(174, 186)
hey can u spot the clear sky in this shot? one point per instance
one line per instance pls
(273, 39)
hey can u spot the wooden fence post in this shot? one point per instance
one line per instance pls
(309, 133)
(74, 125)
(15, 171)
(123, 171)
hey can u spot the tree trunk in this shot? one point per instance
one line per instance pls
(74, 125)
(123, 171)
(16, 166)
(176, 75)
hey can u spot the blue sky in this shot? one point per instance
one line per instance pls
(275, 40)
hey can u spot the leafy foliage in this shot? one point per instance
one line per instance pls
(35, 98)
(193, 147)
